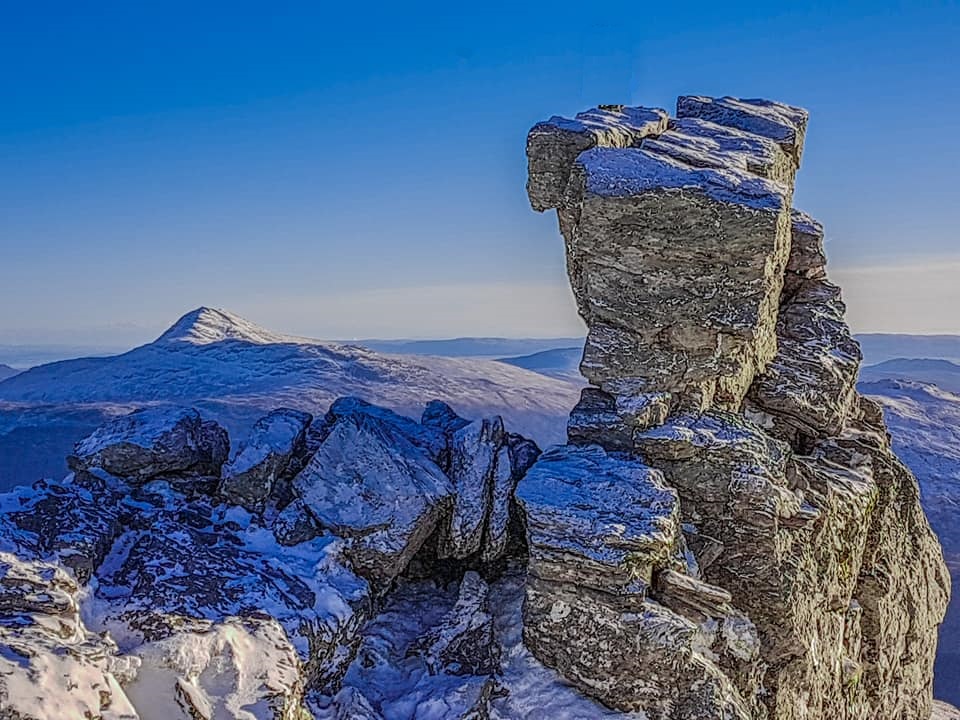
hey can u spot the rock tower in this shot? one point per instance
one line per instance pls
(728, 533)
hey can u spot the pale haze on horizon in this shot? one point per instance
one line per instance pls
(357, 172)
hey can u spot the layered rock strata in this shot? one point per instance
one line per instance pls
(790, 541)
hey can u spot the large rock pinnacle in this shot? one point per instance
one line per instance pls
(743, 542)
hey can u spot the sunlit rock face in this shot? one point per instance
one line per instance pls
(777, 526)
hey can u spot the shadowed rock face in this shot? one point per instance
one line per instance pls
(801, 579)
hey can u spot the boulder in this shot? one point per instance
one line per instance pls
(371, 485)
(153, 442)
(602, 528)
(273, 444)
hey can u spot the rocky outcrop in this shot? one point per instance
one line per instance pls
(48, 656)
(236, 595)
(374, 487)
(723, 372)
(154, 442)
(264, 457)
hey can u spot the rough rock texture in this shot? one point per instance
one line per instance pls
(723, 366)
(604, 532)
(677, 245)
(49, 661)
(462, 643)
(273, 444)
(181, 561)
(153, 442)
(552, 146)
(375, 488)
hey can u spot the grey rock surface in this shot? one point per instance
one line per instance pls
(553, 145)
(605, 533)
(153, 442)
(801, 541)
(264, 457)
(370, 485)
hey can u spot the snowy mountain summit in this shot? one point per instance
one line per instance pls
(725, 535)
(208, 325)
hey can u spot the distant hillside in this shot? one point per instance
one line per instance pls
(6, 371)
(880, 347)
(942, 373)
(235, 371)
(561, 362)
(470, 347)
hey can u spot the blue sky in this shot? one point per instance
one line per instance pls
(357, 169)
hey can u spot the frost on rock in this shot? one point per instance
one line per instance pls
(263, 458)
(553, 145)
(181, 561)
(241, 668)
(50, 664)
(602, 530)
(153, 442)
(720, 359)
(370, 485)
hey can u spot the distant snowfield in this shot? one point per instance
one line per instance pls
(234, 372)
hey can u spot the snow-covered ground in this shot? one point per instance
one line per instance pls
(235, 372)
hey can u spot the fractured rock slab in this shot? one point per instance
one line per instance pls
(371, 486)
(553, 145)
(153, 442)
(263, 458)
(677, 272)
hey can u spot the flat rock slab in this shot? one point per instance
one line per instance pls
(598, 519)
(553, 145)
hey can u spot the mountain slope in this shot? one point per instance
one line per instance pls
(235, 371)
(924, 421)
(942, 373)
(561, 362)
(7, 372)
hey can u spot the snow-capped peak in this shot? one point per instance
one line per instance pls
(204, 326)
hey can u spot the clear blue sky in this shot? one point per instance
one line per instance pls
(357, 169)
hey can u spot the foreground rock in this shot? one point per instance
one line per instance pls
(272, 447)
(154, 442)
(722, 366)
(51, 665)
(604, 533)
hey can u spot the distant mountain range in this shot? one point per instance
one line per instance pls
(471, 347)
(6, 371)
(235, 371)
(880, 347)
(561, 362)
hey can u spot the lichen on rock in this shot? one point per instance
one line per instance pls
(720, 361)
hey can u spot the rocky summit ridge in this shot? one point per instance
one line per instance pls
(726, 534)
